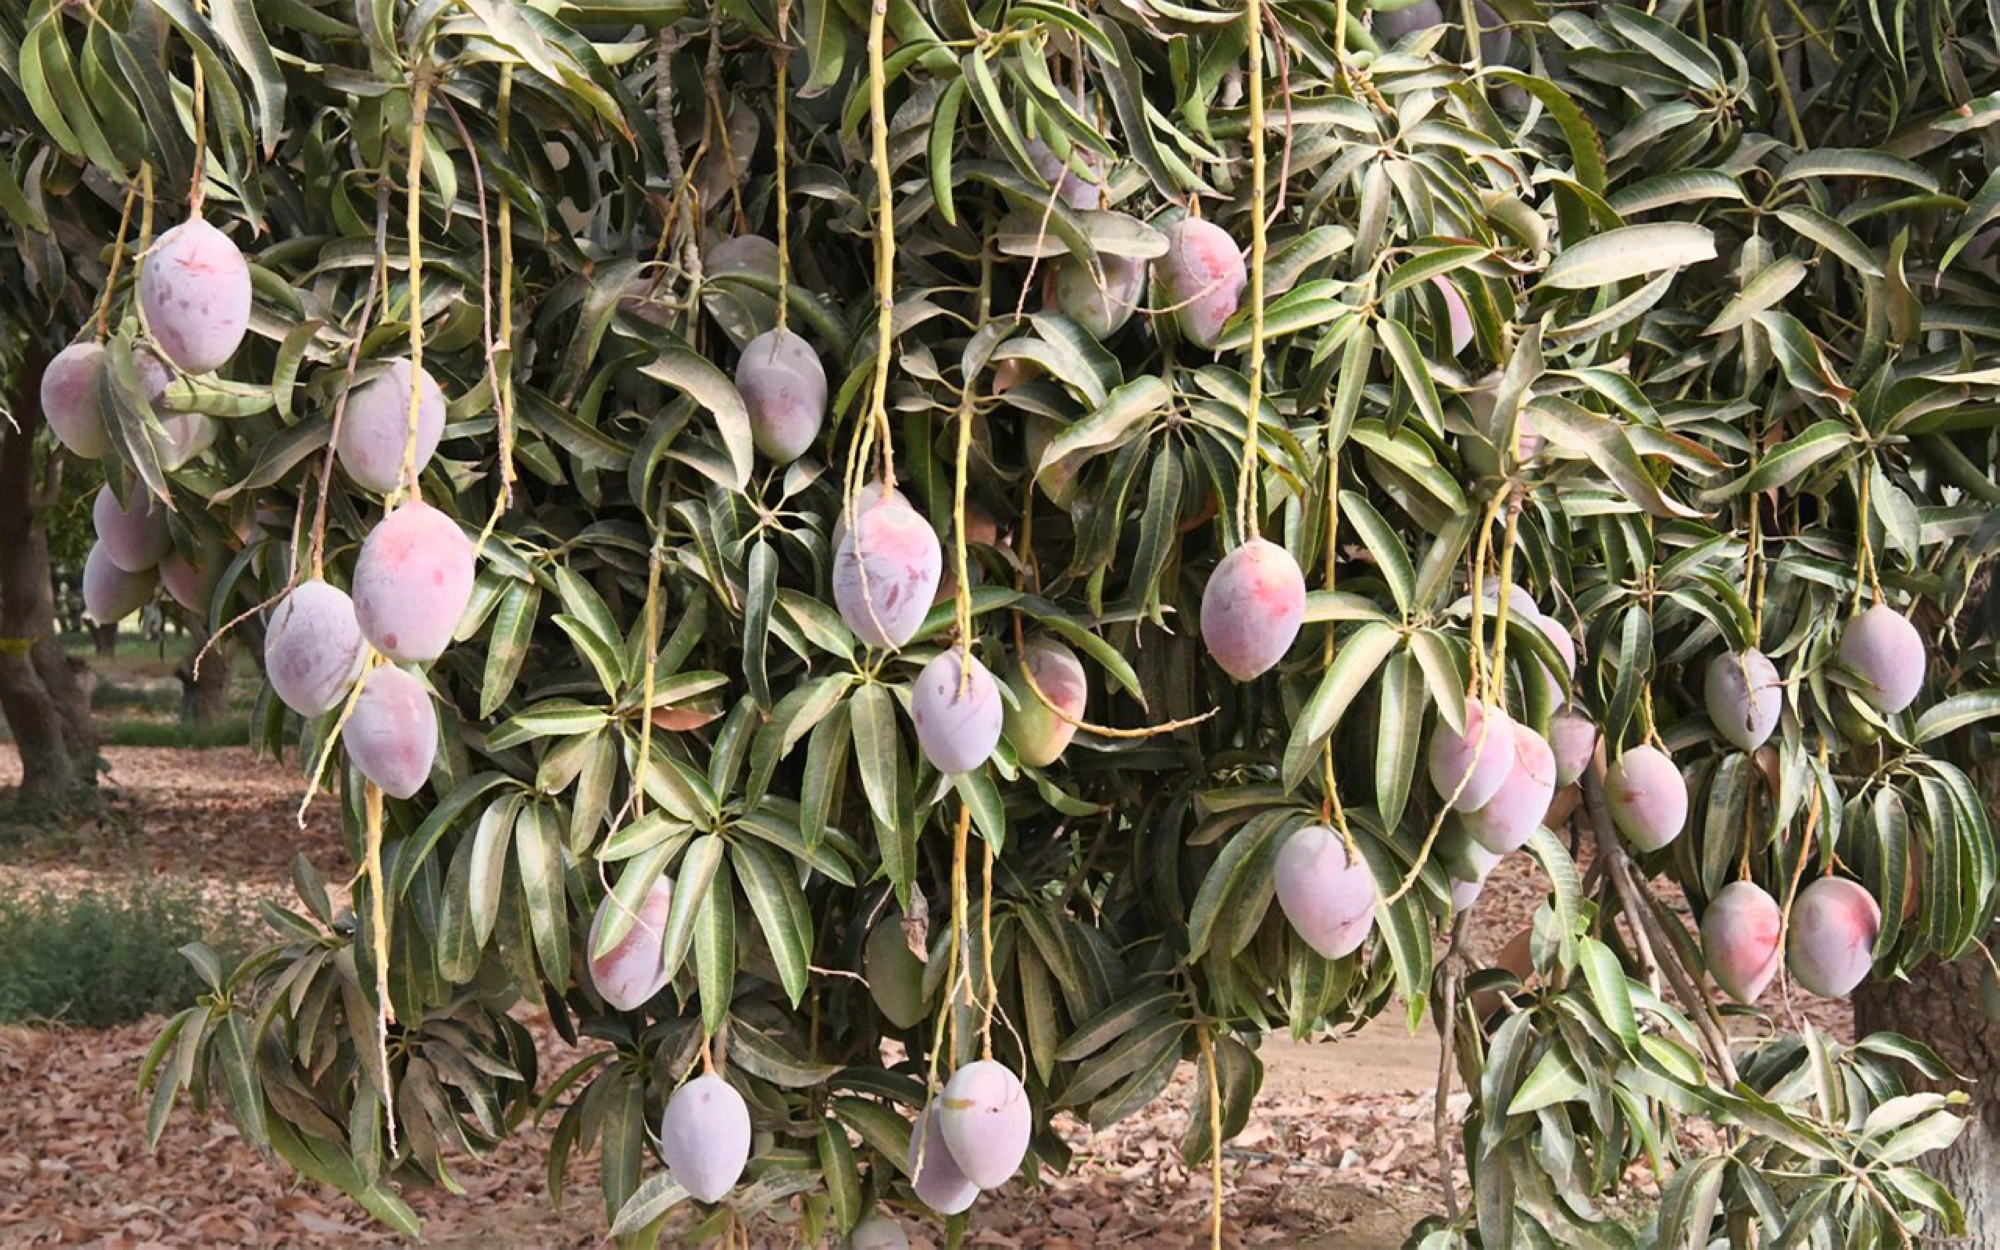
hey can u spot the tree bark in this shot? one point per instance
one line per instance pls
(204, 697)
(1940, 1005)
(40, 694)
(105, 639)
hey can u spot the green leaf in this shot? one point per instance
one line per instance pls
(1608, 990)
(1686, 58)
(1399, 734)
(236, 22)
(944, 134)
(708, 386)
(648, 1205)
(1554, 1080)
(1119, 419)
(1791, 458)
(538, 853)
(767, 1058)
(691, 891)
(760, 593)
(715, 949)
(1604, 442)
(1857, 163)
(1951, 715)
(1354, 665)
(772, 887)
(1629, 252)
(1408, 360)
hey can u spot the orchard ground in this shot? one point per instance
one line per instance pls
(1339, 1151)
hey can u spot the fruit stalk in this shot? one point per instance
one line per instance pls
(1246, 488)
(420, 96)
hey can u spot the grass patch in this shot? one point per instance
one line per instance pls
(106, 957)
(231, 731)
(111, 696)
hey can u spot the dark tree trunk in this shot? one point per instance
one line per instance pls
(40, 694)
(1940, 1006)
(204, 696)
(105, 638)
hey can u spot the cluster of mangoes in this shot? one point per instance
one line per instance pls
(1501, 780)
(194, 294)
(414, 574)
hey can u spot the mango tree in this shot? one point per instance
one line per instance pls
(1067, 537)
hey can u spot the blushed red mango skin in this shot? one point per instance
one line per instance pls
(1329, 902)
(110, 594)
(958, 722)
(412, 582)
(1473, 765)
(635, 969)
(313, 649)
(1252, 608)
(934, 1174)
(1744, 711)
(886, 564)
(194, 287)
(69, 399)
(986, 1119)
(1648, 797)
(392, 733)
(375, 427)
(1887, 653)
(705, 1137)
(1573, 738)
(1740, 934)
(1038, 734)
(783, 386)
(134, 534)
(1505, 821)
(1204, 276)
(1831, 946)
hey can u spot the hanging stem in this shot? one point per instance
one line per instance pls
(1498, 670)
(378, 925)
(961, 948)
(1214, 1129)
(1864, 572)
(784, 202)
(1246, 487)
(1481, 550)
(1452, 974)
(117, 255)
(420, 96)
(502, 340)
(1331, 807)
(198, 179)
(318, 539)
(653, 560)
(885, 237)
(986, 942)
(962, 596)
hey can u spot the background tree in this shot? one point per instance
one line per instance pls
(46, 704)
(1665, 324)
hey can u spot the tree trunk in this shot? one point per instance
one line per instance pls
(39, 692)
(204, 697)
(1940, 1006)
(105, 638)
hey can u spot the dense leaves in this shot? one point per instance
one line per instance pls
(1574, 305)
